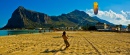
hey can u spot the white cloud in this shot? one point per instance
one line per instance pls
(117, 18)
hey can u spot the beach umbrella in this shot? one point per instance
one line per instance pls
(95, 8)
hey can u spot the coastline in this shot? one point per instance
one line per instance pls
(17, 32)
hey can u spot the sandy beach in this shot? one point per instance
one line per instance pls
(81, 43)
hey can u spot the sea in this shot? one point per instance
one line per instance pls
(16, 32)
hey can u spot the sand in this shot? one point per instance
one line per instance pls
(81, 43)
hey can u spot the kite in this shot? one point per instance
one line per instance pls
(95, 8)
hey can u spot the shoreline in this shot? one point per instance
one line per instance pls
(17, 32)
(37, 31)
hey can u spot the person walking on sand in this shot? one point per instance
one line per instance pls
(65, 40)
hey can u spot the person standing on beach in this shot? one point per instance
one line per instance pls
(65, 40)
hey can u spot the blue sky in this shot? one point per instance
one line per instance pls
(57, 7)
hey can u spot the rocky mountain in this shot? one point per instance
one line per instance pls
(74, 18)
(24, 18)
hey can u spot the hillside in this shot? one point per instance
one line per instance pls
(102, 21)
(25, 18)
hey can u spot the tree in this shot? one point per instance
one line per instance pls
(128, 25)
(51, 27)
(84, 27)
(119, 27)
(92, 28)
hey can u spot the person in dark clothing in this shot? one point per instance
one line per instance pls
(65, 40)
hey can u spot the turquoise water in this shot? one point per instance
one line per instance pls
(15, 32)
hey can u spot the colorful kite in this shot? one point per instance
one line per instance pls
(95, 8)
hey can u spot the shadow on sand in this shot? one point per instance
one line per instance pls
(51, 51)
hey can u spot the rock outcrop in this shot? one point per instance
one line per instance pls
(23, 18)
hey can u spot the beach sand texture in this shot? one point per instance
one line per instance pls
(81, 43)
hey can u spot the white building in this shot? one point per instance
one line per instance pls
(102, 26)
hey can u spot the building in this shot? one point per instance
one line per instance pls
(80, 28)
(128, 27)
(102, 26)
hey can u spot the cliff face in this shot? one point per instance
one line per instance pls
(24, 18)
